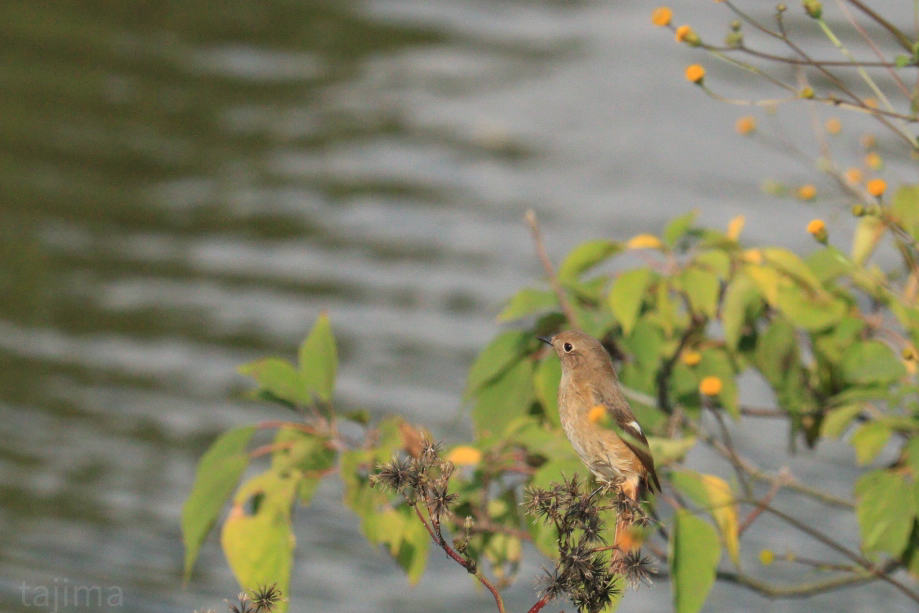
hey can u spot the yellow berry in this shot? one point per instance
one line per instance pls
(691, 357)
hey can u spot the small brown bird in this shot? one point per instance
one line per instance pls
(588, 382)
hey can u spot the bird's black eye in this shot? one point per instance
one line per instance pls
(568, 347)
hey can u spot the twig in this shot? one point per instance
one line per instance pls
(531, 220)
(880, 573)
(732, 452)
(801, 590)
(782, 478)
(539, 605)
(469, 565)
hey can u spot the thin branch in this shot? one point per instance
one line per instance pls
(539, 605)
(783, 477)
(880, 573)
(732, 452)
(901, 38)
(801, 590)
(531, 220)
(469, 565)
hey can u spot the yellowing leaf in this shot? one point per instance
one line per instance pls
(464, 455)
(868, 234)
(735, 227)
(714, 495)
(766, 280)
(724, 511)
(644, 241)
(260, 546)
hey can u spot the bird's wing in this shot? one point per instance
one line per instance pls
(629, 430)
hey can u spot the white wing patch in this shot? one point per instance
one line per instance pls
(633, 425)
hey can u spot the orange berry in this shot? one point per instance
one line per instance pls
(854, 175)
(691, 357)
(695, 73)
(833, 126)
(877, 187)
(596, 414)
(818, 230)
(806, 192)
(710, 386)
(661, 16)
(685, 34)
(745, 125)
(815, 226)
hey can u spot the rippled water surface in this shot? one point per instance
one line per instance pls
(186, 185)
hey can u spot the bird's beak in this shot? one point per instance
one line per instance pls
(547, 340)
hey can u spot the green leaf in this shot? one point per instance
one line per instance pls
(277, 377)
(868, 233)
(319, 360)
(741, 299)
(837, 421)
(627, 295)
(694, 554)
(902, 60)
(716, 363)
(713, 494)
(644, 343)
(303, 451)
(702, 289)
(670, 450)
(218, 472)
(716, 261)
(777, 352)
(504, 399)
(791, 265)
(528, 302)
(871, 363)
(808, 310)
(869, 439)
(585, 256)
(496, 358)
(412, 554)
(886, 510)
(905, 208)
(912, 457)
(546, 379)
(259, 545)
(679, 227)
(829, 263)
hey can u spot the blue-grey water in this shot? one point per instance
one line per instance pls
(186, 185)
